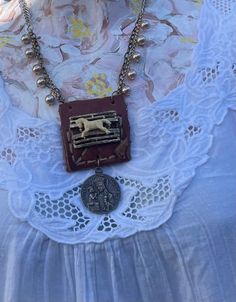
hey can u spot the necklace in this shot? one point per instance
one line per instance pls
(95, 132)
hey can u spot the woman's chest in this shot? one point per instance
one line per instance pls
(84, 42)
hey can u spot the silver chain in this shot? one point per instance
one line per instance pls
(36, 48)
(55, 91)
(131, 49)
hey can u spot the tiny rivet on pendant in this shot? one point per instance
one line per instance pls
(37, 69)
(136, 57)
(29, 53)
(131, 74)
(41, 82)
(141, 41)
(50, 99)
(145, 25)
(126, 90)
(25, 39)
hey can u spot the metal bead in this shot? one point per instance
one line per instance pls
(33, 36)
(49, 99)
(126, 90)
(37, 69)
(145, 25)
(131, 74)
(29, 53)
(141, 41)
(41, 82)
(25, 39)
(136, 57)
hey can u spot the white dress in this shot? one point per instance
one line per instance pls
(172, 236)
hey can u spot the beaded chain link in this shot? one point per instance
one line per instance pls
(44, 79)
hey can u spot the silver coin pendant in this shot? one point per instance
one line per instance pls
(100, 193)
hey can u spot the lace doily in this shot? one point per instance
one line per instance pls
(170, 139)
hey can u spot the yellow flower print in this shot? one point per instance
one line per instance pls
(135, 5)
(187, 40)
(198, 2)
(4, 41)
(98, 85)
(78, 28)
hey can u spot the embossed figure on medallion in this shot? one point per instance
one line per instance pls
(100, 193)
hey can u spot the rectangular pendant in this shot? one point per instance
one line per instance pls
(95, 132)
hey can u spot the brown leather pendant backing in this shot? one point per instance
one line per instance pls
(95, 132)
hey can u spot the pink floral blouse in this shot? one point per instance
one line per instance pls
(83, 43)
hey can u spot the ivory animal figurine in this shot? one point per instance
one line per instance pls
(87, 125)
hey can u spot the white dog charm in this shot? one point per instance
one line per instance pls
(87, 125)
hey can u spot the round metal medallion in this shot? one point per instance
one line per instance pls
(100, 193)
